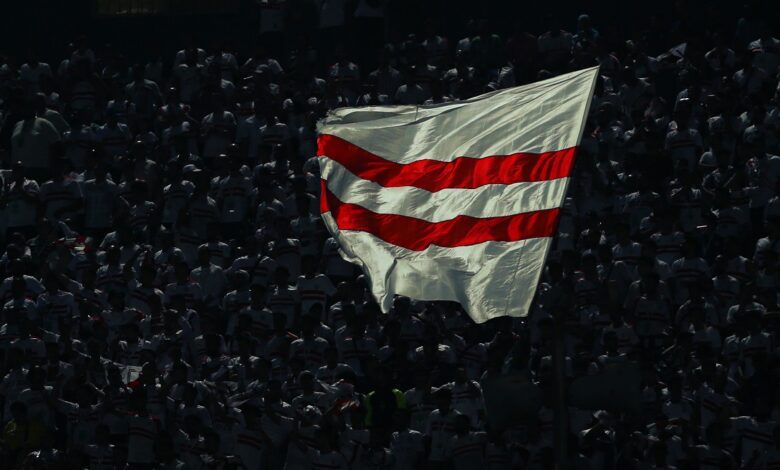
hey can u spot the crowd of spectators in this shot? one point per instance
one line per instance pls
(171, 299)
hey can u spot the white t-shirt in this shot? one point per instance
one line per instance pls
(555, 45)
(272, 15)
(314, 291)
(189, 78)
(766, 54)
(212, 280)
(235, 193)
(99, 203)
(467, 451)
(78, 142)
(30, 142)
(332, 13)
(249, 445)
(249, 133)
(277, 431)
(56, 195)
(20, 212)
(440, 429)
(181, 57)
(407, 446)
(114, 139)
(101, 457)
(175, 196)
(218, 128)
(31, 76)
(369, 9)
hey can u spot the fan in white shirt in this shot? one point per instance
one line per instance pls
(20, 201)
(188, 75)
(249, 133)
(466, 450)
(407, 445)
(210, 277)
(314, 289)
(100, 201)
(32, 138)
(440, 427)
(33, 72)
(218, 128)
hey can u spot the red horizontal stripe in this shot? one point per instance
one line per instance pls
(435, 175)
(416, 234)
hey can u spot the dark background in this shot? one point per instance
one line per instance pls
(138, 27)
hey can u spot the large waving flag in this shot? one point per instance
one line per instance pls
(457, 201)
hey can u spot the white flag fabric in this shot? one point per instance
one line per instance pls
(456, 201)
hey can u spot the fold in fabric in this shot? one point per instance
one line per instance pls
(457, 201)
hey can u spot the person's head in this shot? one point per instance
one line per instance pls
(240, 280)
(17, 172)
(211, 441)
(622, 233)
(443, 398)
(308, 265)
(674, 385)
(690, 248)
(18, 288)
(28, 107)
(257, 295)
(114, 376)
(315, 312)
(402, 419)
(460, 374)
(296, 365)
(181, 272)
(273, 391)
(140, 190)
(164, 450)
(753, 320)
(192, 424)
(583, 23)
(327, 440)
(650, 283)
(213, 344)
(682, 112)
(148, 375)
(279, 323)
(59, 167)
(308, 327)
(282, 226)
(138, 72)
(714, 435)
(51, 282)
(589, 265)
(610, 340)
(130, 332)
(260, 108)
(189, 394)
(147, 276)
(402, 305)
(281, 276)
(19, 411)
(218, 102)
(356, 325)
(462, 424)
(204, 256)
(36, 377)
(331, 356)
(306, 380)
